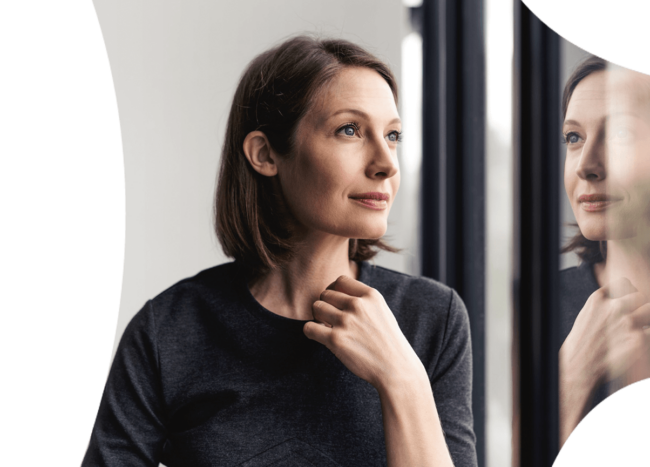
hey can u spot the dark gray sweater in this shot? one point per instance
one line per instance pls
(205, 376)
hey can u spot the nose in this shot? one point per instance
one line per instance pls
(591, 165)
(383, 162)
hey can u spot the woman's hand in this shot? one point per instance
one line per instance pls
(355, 323)
(608, 335)
(608, 338)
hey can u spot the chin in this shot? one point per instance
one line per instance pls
(618, 232)
(375, 232)
(593, 228)
(367, 232)
(593, 233)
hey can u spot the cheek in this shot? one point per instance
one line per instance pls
(312, 188)
(300, 169)
(319, 176)
(638, 191)
(630, 160)
(630, 169)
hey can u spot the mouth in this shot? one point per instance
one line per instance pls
(373, 200)
(597, 201)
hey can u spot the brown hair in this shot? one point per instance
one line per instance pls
(273, 95)
(590, 251)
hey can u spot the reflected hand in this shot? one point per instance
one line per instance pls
(355, 323)
(609, 334)
(609, 337)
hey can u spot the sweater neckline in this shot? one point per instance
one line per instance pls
(273, 319)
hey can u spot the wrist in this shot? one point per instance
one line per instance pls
(578, 372)
(412, 426)
(578, 381)
(404, 380)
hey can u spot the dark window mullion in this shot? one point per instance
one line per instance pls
(536, 255)
(453, 169)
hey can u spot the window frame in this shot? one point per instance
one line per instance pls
(453, 168)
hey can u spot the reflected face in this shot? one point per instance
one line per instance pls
(343, 175)
(607, 166)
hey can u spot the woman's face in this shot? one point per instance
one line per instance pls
(607, 166)
(343, 175)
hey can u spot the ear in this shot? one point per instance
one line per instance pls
(259, 153)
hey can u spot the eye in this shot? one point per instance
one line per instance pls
(571, 138)
(349, 129)
(394, 136)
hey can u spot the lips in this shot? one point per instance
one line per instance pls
(598, 197)
(597, 201)
(373, 200)
(371, 195)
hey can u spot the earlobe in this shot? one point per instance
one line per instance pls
(259, 153)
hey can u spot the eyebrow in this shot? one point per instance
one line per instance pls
(362, 114)
(570, 122)
(607, 117)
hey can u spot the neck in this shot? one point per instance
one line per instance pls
(630, 259)
(316, 263)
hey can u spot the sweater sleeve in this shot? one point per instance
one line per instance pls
(452, 385)
(129, 429)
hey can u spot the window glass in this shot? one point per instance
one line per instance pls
(606, 233)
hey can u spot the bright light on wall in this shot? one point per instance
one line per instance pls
(499, 178)
(411, 100)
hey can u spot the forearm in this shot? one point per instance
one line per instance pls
(577, 386)
(412, 429)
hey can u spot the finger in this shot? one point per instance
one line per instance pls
(317, 332)
(619, 288)
(349, 286)
(641, 316)
(629, 303)
(326, 313)
(340, 300)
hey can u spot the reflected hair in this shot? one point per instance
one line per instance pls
(589, 251)
(277, 89)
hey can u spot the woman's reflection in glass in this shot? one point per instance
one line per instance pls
(604, 301)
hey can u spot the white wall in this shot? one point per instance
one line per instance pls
(176, 64)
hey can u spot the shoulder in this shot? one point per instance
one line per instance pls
(582, 273)
(189, 300)
(417, 301)
(397, 284)
(432, 317)
(577, 281)
(190, 309)
(208, 284)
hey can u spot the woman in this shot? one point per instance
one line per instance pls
(299, 352)
(604, 301)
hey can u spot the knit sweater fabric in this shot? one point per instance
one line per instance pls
(206, 376)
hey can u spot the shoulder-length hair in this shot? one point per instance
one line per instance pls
(275, 92)
(589, 251)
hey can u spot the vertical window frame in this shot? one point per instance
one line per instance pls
(453, 168)
(536, 110)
